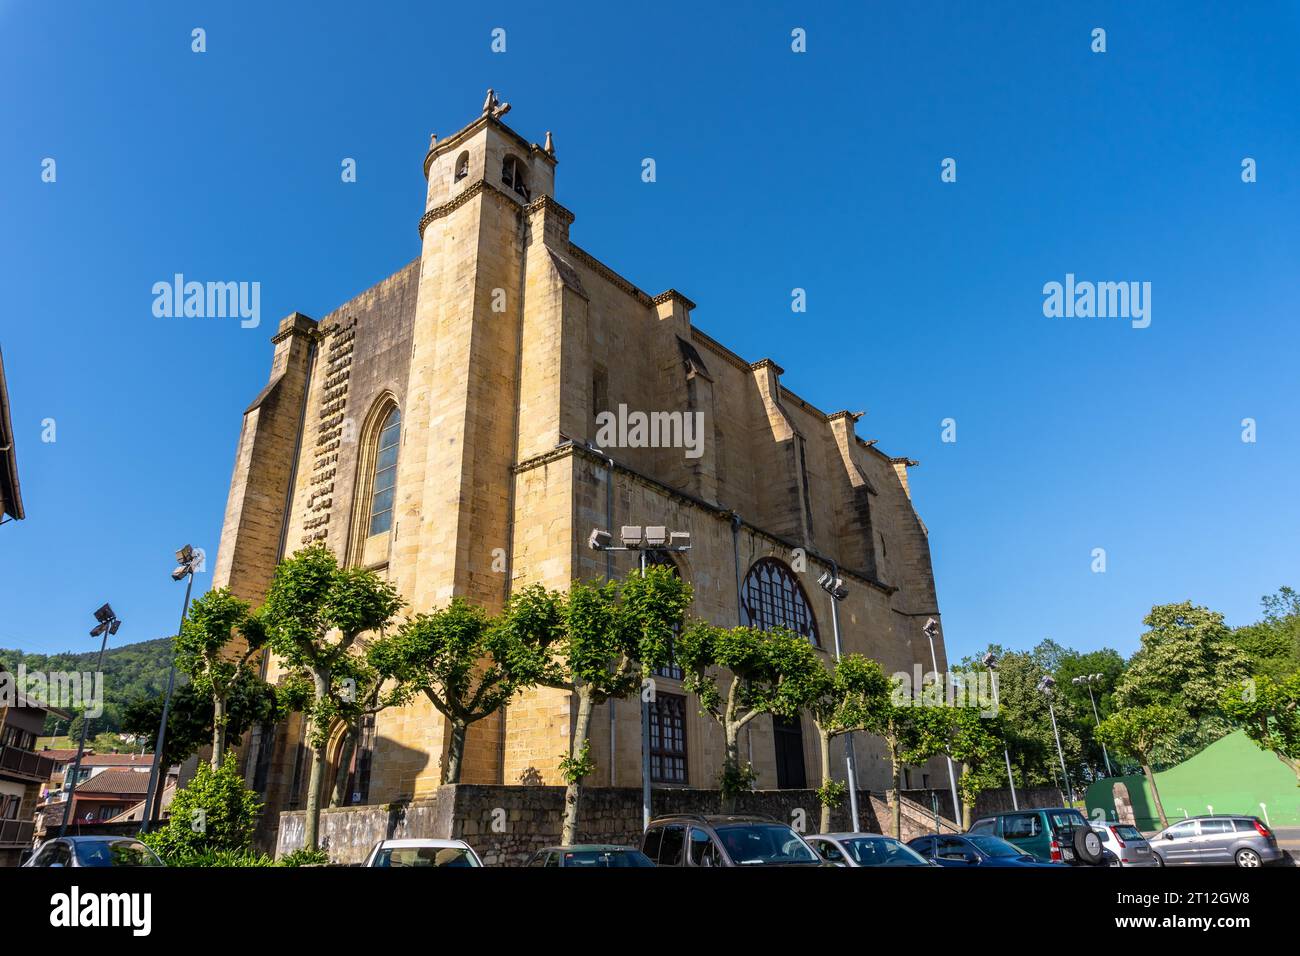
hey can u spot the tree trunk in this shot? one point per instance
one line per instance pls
(455, 752)
(1155, 795)
(311, 825)
(218, 731)
(825, 826)
(896, 795)
(569, 831)
(967, 811)
(730, 766)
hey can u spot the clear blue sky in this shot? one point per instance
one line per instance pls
(775, 171)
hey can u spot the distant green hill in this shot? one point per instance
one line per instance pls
(130, 671)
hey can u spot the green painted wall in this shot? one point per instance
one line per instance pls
(1232, 775)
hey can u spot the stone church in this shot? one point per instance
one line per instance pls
(442, 429)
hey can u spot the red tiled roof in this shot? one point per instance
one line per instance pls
(115, 781)
(116, 760)
(58, 756)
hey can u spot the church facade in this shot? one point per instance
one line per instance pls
(450, 428)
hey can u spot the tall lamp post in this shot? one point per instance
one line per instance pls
(187, 562)
(931, 628)
(991, 662)
(1047, 687)
(108, 624)
(832, 584)
(653, 538)
(1087, 680)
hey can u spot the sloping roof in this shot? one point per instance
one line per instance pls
(116, 781)
(61, 755)
(117, 760)
(11, 499)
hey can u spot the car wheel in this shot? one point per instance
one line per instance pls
(1160, 860)
(1248, 857)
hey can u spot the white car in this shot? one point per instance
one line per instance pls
(1124, 844)
(422, 853)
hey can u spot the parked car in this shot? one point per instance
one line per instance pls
(697, 840)
(399, 853)
(864, 849)
(1125, 843)
(1223, 840)
(974, 850)
(1049, 834)
(93, 851)
(591, 855)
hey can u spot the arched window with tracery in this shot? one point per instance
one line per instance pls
(384, 484)
(772, 597)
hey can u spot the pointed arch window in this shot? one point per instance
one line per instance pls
(773, 597)
(384, 486)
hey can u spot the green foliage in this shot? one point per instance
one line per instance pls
(1269, 712)
(218, 858)
(1026, 723)
(1187, 661)
(1273, 643)
(314, 614)
(832, 793)
(1140, 731)
(734, 779)
(304, 857)
(573, 768)
(214, 812)
(251, 701)
(130, 671)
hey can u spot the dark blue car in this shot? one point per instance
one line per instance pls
(974, 851)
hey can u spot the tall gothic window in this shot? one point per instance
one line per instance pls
(384, 488)
(772, 597)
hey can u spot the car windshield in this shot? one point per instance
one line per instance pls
(115, 853)
(758, 844)
(609, 858)
(995, 846)
(1126, 832)
(424, 856)
(883, 851)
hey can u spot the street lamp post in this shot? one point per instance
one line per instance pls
(634, 538)
(1087, 680)
(991, 662)
(187, 563)
(1047, 687)
(931, 628)
(108, 624)
(834, 586)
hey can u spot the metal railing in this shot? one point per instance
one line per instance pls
(16, 833)
(25, 763)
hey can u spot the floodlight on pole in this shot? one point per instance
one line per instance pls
(108, 624)
(1087, 680)
(931, 630)
(1047, 686)
(189, 563)
(833, 584)
(991, 662)
(653, 538)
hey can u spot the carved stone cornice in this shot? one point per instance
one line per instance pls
(606, 272)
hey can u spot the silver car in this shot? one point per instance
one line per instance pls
(1125, 844)
(865, 849)
(1217, 840)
